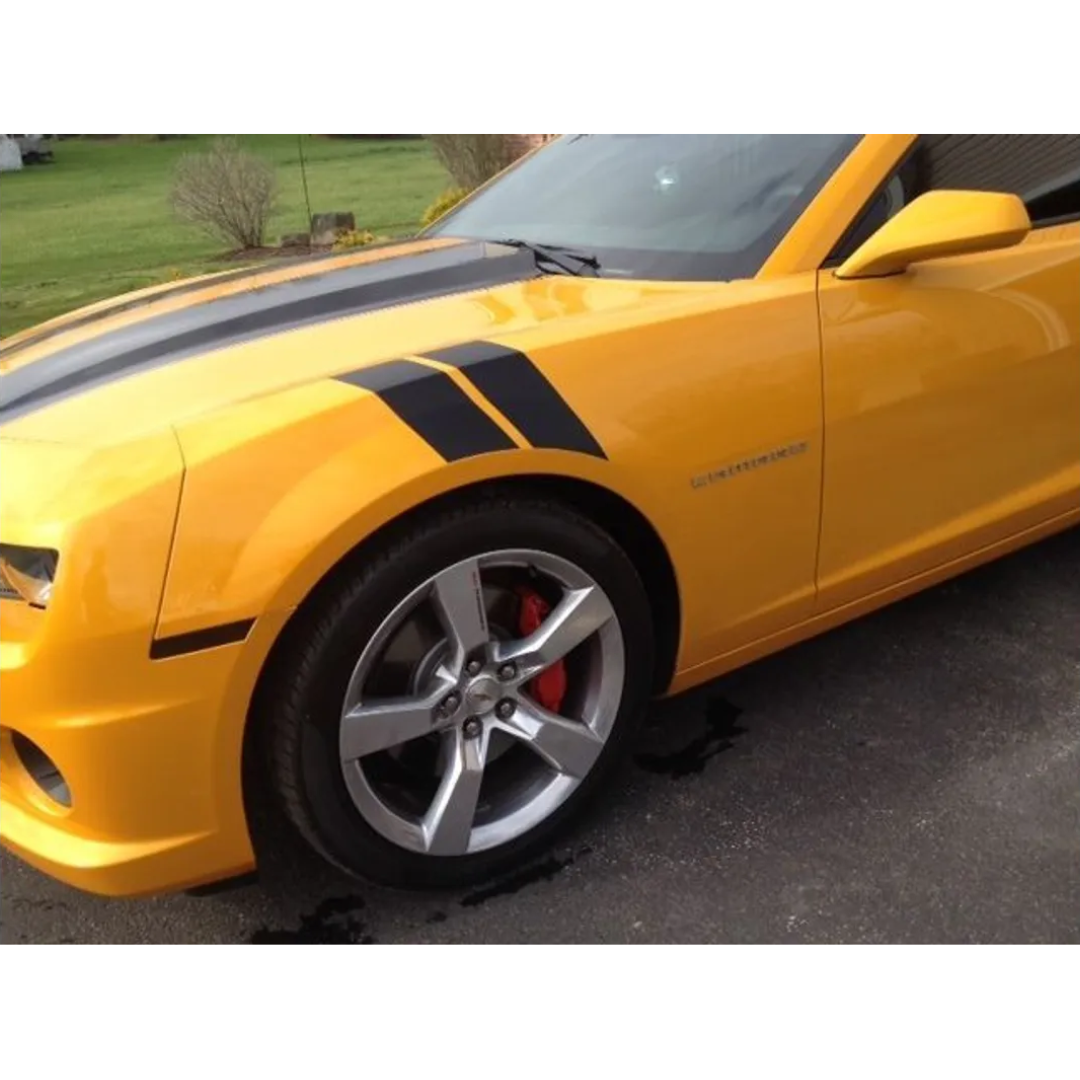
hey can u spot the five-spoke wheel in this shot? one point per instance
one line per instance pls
(462, 694)
(493, 761)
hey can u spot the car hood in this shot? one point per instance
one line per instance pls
(131, 366)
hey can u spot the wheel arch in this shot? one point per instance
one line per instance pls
(628, 526)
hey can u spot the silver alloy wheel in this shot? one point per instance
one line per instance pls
(501, 764)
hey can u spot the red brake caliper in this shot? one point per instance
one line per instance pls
(549, 689)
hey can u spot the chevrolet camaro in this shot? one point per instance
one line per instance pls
(406, 540)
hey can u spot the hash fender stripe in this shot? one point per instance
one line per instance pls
(523, 394)
(435, 407)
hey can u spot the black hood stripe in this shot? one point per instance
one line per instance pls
(523, 394)
(435, 407)
(123, 306)
(261, 313)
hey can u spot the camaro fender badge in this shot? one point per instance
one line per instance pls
(740, 468)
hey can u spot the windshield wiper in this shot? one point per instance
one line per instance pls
(571, 262)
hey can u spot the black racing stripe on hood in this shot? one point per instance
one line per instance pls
(181, 288)
(122, 307)
(248, 316)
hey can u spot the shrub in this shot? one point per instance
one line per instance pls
(348, 239)
(472, 160)
(226, 192)
(443, 205)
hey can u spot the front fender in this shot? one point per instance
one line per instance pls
(279, 491)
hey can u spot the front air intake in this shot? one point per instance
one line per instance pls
(42, 770)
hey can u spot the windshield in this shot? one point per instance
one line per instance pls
(660, 207)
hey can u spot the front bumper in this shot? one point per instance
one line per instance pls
(151, 753)
(103, 867)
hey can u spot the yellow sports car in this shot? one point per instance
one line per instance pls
(413, 536)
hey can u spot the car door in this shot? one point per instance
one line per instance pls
(952, 392)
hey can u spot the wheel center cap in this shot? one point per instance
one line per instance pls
(483, 695)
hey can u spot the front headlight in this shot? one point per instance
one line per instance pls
(28, 573)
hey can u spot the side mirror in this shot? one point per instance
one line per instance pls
(938, 225)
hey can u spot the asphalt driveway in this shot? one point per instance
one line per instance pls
(912, 778)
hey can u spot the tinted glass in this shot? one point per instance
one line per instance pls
(675, 207)
(1025, 165)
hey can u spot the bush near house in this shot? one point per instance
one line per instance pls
(226, 192)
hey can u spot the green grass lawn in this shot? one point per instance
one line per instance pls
(97, 222)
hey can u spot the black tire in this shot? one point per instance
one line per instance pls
(300, 710)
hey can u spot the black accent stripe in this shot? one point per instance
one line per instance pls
(124, 306)
(248, 316)
(523, 394)
(435, 407)
(200, 641)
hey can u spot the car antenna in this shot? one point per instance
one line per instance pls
(303, 175)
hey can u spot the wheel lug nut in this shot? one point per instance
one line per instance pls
(473, 728)
(474, 668)
(505, 710)
(451, 704)
(508, 672)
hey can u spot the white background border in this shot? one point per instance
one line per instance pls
(662, 1013)
(254, 67)
(666, 1014)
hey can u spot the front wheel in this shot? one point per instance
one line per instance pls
(463, 694)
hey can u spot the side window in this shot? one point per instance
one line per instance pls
(1044, 170)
